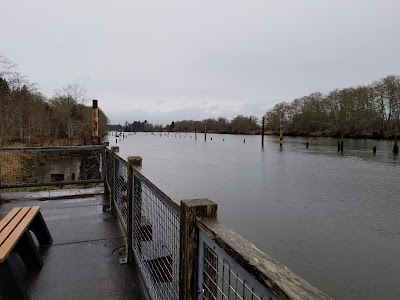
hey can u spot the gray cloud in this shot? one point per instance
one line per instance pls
(169, 60)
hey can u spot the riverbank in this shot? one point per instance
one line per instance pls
(365, 135)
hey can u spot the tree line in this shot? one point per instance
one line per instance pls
(371, 111)
(238, 125)
(136, 126)
(29, 117)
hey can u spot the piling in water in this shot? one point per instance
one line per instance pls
(395, 148)
(281, 130)
(262, 132)
(307, 145)
(95, 123)
(374, 150)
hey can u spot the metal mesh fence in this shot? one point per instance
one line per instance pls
(120, 188)
(156, 227)
(221, 277)
(28, 167)
(108, 168)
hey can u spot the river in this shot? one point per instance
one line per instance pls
(331, 218)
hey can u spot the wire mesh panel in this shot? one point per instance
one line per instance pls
(156, 227)
(221, 277)
(108, 168)
(27, 167)
(120, 188)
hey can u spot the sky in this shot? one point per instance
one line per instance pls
(170, 60)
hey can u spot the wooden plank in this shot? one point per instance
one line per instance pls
(13, 238)
(9, 217)
(12, 225)
(35, 209)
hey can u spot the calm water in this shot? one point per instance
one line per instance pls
(331, 218)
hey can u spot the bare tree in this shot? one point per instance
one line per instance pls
(68, 105)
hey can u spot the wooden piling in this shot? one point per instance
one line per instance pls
(189, 243)
(395, 148)
(95, 123)
(205, 133)
(262, 132)
(281, 129)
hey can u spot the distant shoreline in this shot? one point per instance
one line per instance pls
(370, 136)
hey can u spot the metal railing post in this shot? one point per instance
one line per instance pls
(114, 149)
(189, 244)
(133, 161)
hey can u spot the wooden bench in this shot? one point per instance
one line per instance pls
(15, 237)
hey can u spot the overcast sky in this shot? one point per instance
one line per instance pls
(169, 60)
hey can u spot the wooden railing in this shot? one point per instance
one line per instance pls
(183, 251)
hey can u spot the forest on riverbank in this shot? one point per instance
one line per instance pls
(371, 111)
(238, 125)
(30, 118)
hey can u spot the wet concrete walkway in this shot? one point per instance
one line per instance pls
(83, 262)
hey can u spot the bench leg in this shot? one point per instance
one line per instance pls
(11, 286)
(39, 228)
(28, 251)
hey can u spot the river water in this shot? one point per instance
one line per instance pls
(331, 218)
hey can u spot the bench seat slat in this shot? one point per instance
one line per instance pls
(22, 225)
(12, 224)
(9, 217)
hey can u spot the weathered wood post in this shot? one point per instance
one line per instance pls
(395, 148)
(205, 133)
(95, 123)
(281, 129)
(189, 244)
(114, 149)
(133, 161)
(195, 134)
(262, 132)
